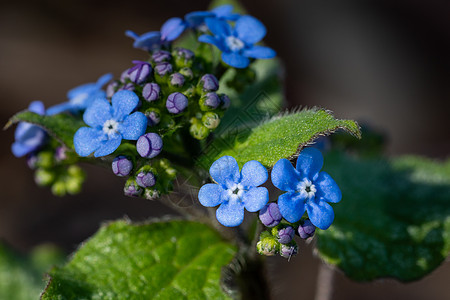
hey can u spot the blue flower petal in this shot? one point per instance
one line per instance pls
(284, 176)
(21, 129)
(59, 108)
(123, 103)
(235, 60)
(86, 140)
(225, 171)
(230, 213)
(223, 10)
(209, 39)
(253, 174)
(37, 107)
(260, 52)
(210, 195)
(292, 206)
(147, 41)
(133, 126)
(250, 29)
(132, 34)
(327, 188)
(98, 113)
(109, 146)
(320, 213)
(309, 163)
(255, 199)
(172, 29)
(218, 27)
(33, 137)
(104, 79)
(19, 149)
(82, 89)
(196, 18)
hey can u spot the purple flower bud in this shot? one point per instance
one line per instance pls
(306, 229)
(139, 72)
(270, 215)
(149, 145)
(209, 83)
(183, 52)
(32, 160)
(131, 189)
(288, 250)
(111, 89)
(127, 87)
(60, 153)
(285, 235)
(176, 79)
(176, 103)
(153, 117)
(122, 166)
(163, 68)
(209, 101)
(224, 101)
(124, 75)
(161, 56)
(151, 91)
(145, 179)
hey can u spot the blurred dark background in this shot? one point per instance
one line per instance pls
(385, 63)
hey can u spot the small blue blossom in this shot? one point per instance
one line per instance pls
(235, 190)
(237, 44)
(82, 96)
(109, 125)
(196, 19)
(307, 189)
(29, 137)
(170, 31)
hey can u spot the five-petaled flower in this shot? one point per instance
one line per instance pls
(82, 96)
(307, 189)
(29, 137)
(235, 191)
(109, 125)
(196, 19)
(152, 40)
(237, 44)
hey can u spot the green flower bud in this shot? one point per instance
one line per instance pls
(198, 130)
(211, 120)
(267, 245)
(59, 188)
(44, 177)
(151, 194)
(74, 185)
(132, 189)
(45, 159)
(183, 57)
(187, 73)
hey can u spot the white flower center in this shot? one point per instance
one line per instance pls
(306, 189)
(110, 127)
(79, 99)
(235, 192)
(234, 43)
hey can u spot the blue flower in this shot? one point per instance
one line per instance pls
(307, 189)
(29, 137)
(235, 191)
(109, 125)
(170, 30)
(237, 44)
(223, 12)
(82, 96)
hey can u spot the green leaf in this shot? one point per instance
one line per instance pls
(393, 220)
(62, 126)
(21, 277)
(280, 137)
(164, 260)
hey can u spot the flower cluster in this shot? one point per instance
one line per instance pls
(307, 190)
(234, 35)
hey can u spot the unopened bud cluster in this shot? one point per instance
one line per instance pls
(279, 238)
